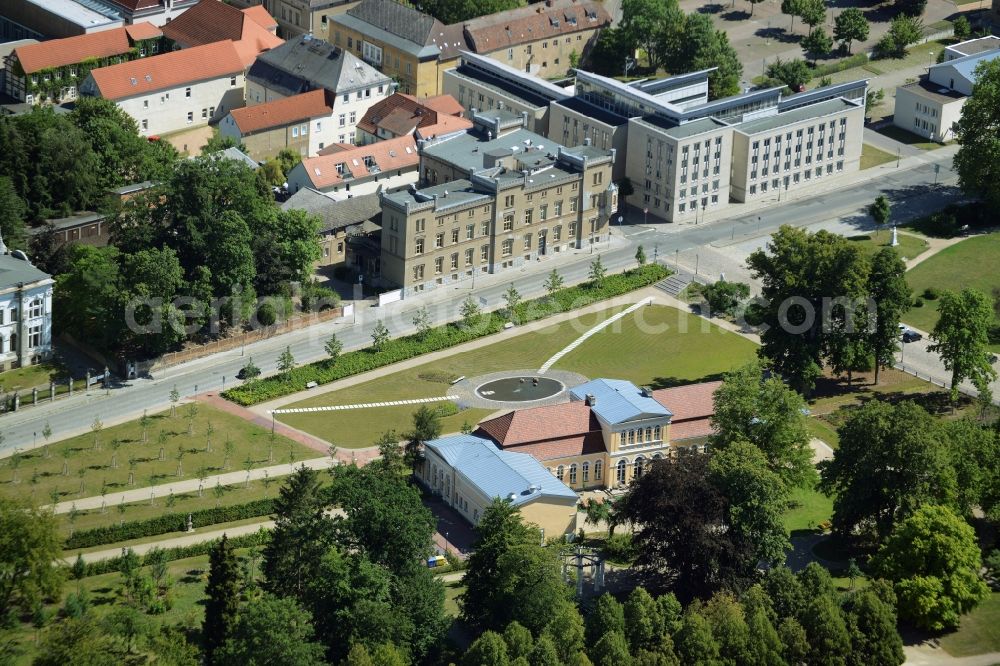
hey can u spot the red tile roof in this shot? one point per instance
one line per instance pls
(541, 423)
(689, 401)
(72, 50)
(214, 21)
(401, 114)
(443, 104)
(261, 17)
(281, 112)
(533, 22)
(167, 71)
(389, 155)
(564, 447)
(143, 30)
(690, 429)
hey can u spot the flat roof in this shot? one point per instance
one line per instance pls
(685, 131)
(799, 114)
(498, 85)
(597, 113)
(466, 151)
(453, 193)
(932, 91)
(974, 46)
(83, 16)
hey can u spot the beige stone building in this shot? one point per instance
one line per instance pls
(494, 199)
(300, 17)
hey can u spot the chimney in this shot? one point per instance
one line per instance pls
(591, 400)
(614, 153)
(646, 392)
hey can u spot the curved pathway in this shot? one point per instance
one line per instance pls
(583, 338)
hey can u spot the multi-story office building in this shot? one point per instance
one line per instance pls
(492, 200)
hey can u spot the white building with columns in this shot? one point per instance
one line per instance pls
(25, 311)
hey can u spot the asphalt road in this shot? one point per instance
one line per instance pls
(912, 191)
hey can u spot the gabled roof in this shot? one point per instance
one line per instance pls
(401, 114)
(335, 213)
(618, 401)
(966, 65)
(389, 155)
(167, 71)
(534, 424)
(281, 112)
(305, 63)
(690, 401)
(73, 50)
(214, 21)
(516, 477)
(261, 17)
(533, 22)
(398, 19)
(445, 104)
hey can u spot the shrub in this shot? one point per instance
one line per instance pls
(316, 298)
(170, 522)
(443, 337)
(918, 302)
(931, 293)
(266, 314)
(444, 409)
(619, 547)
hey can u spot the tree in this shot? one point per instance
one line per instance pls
(470, 312)
(871, 623)
(757, 498)
(888, 289)
(500, 530)
(681, 529)
(890, 461)
(518, 639)
(767, 414)
(426, 427)
(642, 24)
(903, 31)
(223, 592)
(608, 616)
(729, 628)
(487, 650)
(880, 209)
(271, 630)
(694, 642)
(961, 338)
(753, 3)
(553, 283)
(793, 8)
(933, 561)
(29, 543)
(960, 26)
(12, 214)
(911, 7)
(850, 25)
(725, 296)
(640, 256)
(286, 361)
(763, 644)
(608, 54)
(793, 73)
(817, 44)
(333, 346)
(77, 641)
(597, 272)
(422, 321)
(612, 650)
(978, 159)
(379, 335)
(566, 630)
(872, 100)
(643, 621)
(806, 326)
(829, 641)
(812, 12)
(794, 641)
(512, 297)
(463, 10)
(302, 534)
(701, 46)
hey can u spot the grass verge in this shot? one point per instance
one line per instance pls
(872, 157)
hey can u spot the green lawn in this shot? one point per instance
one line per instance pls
(655, 345)
(809, 507)
(970, 263)
(452, 591)
(30, 377)
(39, 472)
(873, 157)
(909, 138)
(977, 633)
(909, 247)
(820, 428)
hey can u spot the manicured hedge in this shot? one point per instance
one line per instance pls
(442, 337)
(170, 522)
(111, 565)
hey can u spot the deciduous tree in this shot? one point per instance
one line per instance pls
(271, 630)
(978, 158)
(961, 338)
(891, 296)
(850, 25)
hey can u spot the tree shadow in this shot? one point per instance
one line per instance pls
(671, 382)
(880, 13)
(778, 35)
(711, 8)
(735, 15)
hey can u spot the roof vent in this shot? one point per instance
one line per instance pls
(132, 80)
(19, 254)
(512, 497)
(591, 400)
(149, 78)
(646, 392)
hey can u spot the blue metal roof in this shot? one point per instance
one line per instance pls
(617, 401)
(966, 66)
(514, 476)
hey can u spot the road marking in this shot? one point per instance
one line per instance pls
(364, 405)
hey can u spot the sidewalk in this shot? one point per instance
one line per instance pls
(188, 539)
(188, 485)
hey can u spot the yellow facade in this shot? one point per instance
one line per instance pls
(421, 78)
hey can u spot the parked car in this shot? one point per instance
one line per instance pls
(911, 336)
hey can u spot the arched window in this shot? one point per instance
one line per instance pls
(586, 472)
(620, 471)
(657, 456)
(656, 433)
(13, 342)
(638, 467)
(572, 474)
(559, 472)
(598, 468)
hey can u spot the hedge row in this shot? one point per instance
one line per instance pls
(170, 522)
(259, 538)
(442, 337)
